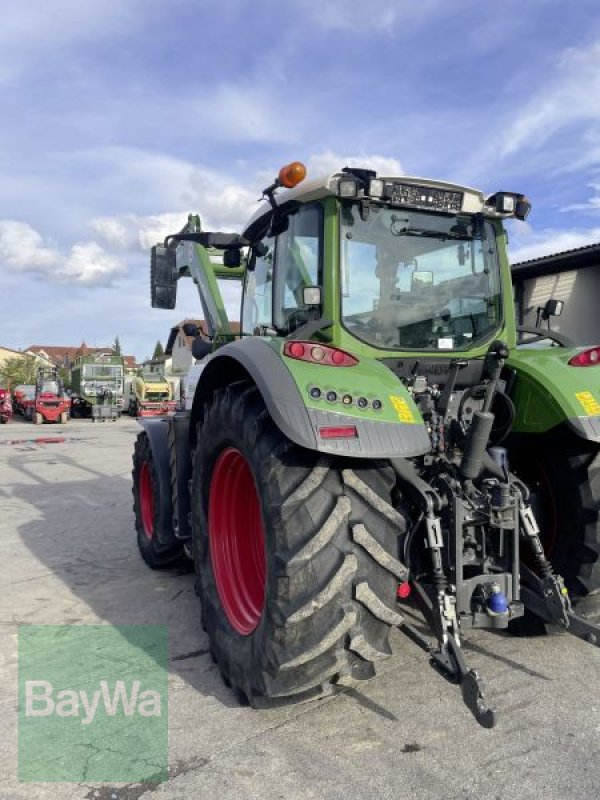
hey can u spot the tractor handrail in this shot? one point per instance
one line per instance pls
(544, 333)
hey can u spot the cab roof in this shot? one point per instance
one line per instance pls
(327, 186)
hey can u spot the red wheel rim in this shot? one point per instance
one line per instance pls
(147, 500)
(237, 541)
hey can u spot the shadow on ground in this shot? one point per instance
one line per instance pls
(82, 532)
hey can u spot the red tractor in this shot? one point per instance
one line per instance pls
(6, 409)
(50, 402)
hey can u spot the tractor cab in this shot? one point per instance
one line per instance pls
(393, 264)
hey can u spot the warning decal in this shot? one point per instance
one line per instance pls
(589, 403)
(403, 409)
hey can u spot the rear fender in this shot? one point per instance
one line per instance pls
(157, 431)
(549, 392)
(397, 430)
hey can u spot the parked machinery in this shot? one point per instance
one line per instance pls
(50, 403)
(98, 380)
(151, 395)
(6, 409)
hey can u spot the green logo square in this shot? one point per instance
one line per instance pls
(93, 702)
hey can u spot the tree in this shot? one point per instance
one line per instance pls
(20, 369)
(158, 351)
(117, 346)
(65, 377)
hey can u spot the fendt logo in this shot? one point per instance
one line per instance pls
(41, 700)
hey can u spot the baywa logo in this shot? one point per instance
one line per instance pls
(41, 700)
(93, 702)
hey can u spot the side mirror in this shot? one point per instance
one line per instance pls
(553, 308)
(201, 348)
(163, 277)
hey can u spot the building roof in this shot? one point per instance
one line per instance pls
(12, 350)
(577, 258)
(62, 355)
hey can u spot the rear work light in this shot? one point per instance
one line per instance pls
(341, 432)
(318, 354)
(587, 358)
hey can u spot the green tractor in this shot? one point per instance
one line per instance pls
(374, 438)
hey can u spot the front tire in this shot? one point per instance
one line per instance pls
(295, 555)
(153, 511)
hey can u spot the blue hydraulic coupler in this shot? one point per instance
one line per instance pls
(497, 602)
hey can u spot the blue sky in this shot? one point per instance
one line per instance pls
(121, 116)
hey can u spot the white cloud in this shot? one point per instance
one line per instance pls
(328, 161)
(593, 204)
(222, 203)
(227, 210)
(569, 98)
(549, 241)
(32, 30)
(248, 112)
(356, 15)
(89, 264)
(23, 249)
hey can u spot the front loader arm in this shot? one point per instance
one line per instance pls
(197, 254)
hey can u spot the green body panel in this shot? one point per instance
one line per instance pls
(369, 379)
(546, 389)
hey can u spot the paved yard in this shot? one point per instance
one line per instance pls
(68, 556)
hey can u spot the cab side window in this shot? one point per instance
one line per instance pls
(298, 258)
(258, 290)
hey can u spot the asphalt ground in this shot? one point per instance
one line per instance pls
(68, 556)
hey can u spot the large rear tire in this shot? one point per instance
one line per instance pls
(295, 553)
(153, 511)
(563, 474)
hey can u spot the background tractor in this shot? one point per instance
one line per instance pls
(374, 438)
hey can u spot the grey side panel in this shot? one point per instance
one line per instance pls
(374, 440)
(586, 427)
(183, 472)
(275, 384)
